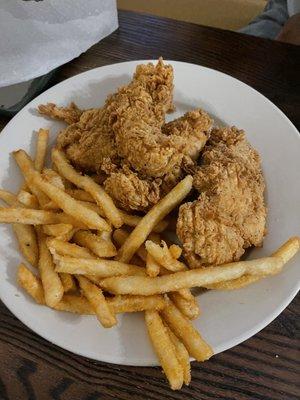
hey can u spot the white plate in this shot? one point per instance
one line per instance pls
(227, 318)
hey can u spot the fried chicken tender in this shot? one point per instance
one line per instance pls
(229, 215)
(129, 132)
(142, 191)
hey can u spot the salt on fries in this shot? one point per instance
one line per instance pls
(66, 231)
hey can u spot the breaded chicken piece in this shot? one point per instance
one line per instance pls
(188, 135)
(229, 214)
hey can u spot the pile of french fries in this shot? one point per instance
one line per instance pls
(92, 258)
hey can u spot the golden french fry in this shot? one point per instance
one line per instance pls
(31, 284)
(41, 149)
(185, 331)
(62, 199)
(235, 283)
(152, 266)
(288, 249)
(188, 307)
(87, 183)
(53, 288)
(140, 285)
(182, 356)
(36, 217)
(123, 304)
(163, 256)
(100, 267)
(74, 304)
(59, 231)
(68, 282)
(175, 251)
(27, 199)
(82, 195)
(285, 252)
(62, 248)
(134, 220)
(8, 197)
(97, 300)
(120, 235)
(153, 217)
(184, 300)
(53, 177)
(27, 241)
(164, 349)
(25, 164)
(25, 234)
(100, 247)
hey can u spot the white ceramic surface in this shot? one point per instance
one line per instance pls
(227, 318)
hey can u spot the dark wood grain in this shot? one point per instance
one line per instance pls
(265, 367)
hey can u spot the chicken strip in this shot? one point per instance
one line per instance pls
(132, 191)
(229, 215)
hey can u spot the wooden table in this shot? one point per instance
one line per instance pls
(264, 367)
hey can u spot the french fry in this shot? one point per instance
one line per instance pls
(152, 266)
(97, 300)
(57, 246)
(27, 199)
(288, 249)
(163, 256)
(68, 282)
(25, 234)
(53, 177)
(146, 286)
(80, 194)
(62, 199)
(128, 219)
(285, 252)
(123, 304)
(120, 235)
(188, 307)
(75, 304)
(100, 247)
(184, 300)
(87, 183)
(53, 288)
(175, 251)
(233, 284)
(8, 197)
(153, 217)
(25, 164)
(182, 356)
(59, 231)
(164, 349)
(31, 284)
(36, 217)
(27, 241)
(100, 267)
(185, 331)
(41, 149)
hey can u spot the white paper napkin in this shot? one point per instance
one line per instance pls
(39, 35)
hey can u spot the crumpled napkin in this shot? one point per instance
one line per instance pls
(39, 35)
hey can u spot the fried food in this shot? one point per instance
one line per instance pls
(229, 214)
(142, 157)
